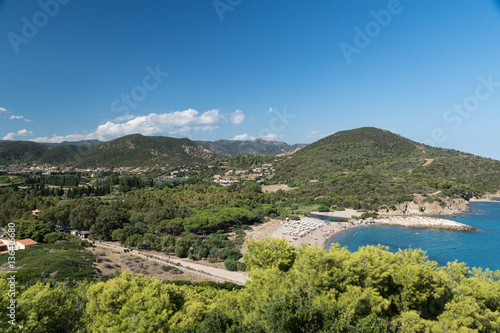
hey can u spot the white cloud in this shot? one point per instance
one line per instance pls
(237, 117)
(270, 110)
(271, 136)
(173, 123)
(244, 137)
(124, 118)
(11, 136)
(314, 134)
(7, 113)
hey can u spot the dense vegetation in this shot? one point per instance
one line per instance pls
(59, 261)
(291, 290)
(368, 168)
(189, 220)
(135, 151)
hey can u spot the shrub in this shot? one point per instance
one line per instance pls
(230, 254)
(369, 215)
(181, 251)
(212, 258)
(230, 264)
(241, 266)
(323, 209)
(53, 237)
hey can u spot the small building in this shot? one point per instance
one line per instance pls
(79, 233)
(20, 244)
(35, 212)
(25, 243)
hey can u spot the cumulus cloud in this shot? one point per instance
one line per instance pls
(178, 123)
(243, 137)
(124, 118)
(6, 113)
(11, 136)
(237, 117)
(271, 136)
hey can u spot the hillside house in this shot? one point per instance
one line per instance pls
(20, 244)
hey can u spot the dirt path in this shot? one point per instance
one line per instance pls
(208, 272)
(428, 161)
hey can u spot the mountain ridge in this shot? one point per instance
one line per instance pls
(134, 150)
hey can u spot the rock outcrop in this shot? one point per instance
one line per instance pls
(421, 222)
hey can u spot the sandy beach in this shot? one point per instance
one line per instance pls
(309, 230)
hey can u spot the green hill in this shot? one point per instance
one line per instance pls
(14, 152)
(146, 151)
(129, 151)
(368, 167)
(135, 151)
(255, 147)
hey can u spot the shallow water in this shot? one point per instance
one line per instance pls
(479, 248)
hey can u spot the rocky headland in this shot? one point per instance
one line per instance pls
(423, 222)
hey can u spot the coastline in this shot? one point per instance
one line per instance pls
(320, 231)
(315, 231)
(424, 222)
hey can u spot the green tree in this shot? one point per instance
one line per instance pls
(269, 252)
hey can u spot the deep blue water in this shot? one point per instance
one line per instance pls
(479, 248)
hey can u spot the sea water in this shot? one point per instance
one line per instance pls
(480, 248)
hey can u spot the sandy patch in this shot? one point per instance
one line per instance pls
(275, 188)
(428, 161)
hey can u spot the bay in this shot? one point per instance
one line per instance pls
(479, 248)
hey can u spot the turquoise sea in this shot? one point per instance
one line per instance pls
(479, 248)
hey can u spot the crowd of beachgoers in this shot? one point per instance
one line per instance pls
(313, 231)
(310, 230)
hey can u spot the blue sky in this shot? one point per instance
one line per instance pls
(286, 70)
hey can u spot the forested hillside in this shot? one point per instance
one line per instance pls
(254, 147)
(369, 168)
(135, 151)
(129, 151)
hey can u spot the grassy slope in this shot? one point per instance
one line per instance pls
(69, 260)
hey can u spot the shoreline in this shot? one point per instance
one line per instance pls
(315, 231)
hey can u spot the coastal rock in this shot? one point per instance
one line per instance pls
(422, 222)
(445, 206)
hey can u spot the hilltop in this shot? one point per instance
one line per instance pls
(135, 150)
(371, 168)
(232, 148)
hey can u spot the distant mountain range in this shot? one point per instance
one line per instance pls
(135, 151)
(254, 147)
